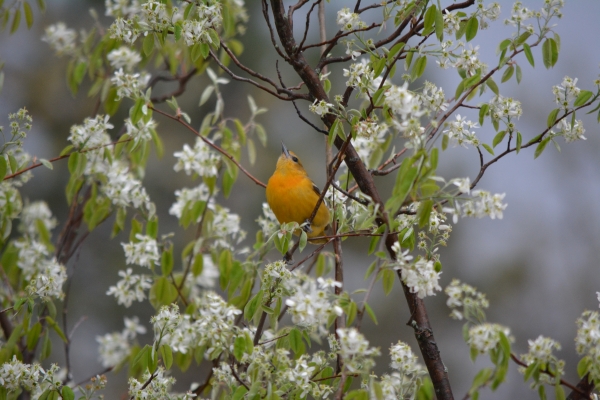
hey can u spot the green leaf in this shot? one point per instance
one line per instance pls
(239, 345)
(148, 44)
(46, 163)
(371, 313)
(296, 343)
(46, 348)
(67, 393)
(508, 73)
(519, 73)
(351, 312)
(542, 392)
(583, 366)
(528, 54)
(552, 117)
(488, 148)
(164, 291)
(429, 20)
(388, 279)
(3, 167)
(16, 21)
(583, 97)
(519, 141)
(498, 138)
(559, 392)
(303, 240)
(196, 52)
(424, 212)
(253, 305)
(483, 111)
(550, 52)
(166, 261)
(492, 85)
(418, 68)
(472, 27)
(34, 335)
(439, 25)
(28, 14)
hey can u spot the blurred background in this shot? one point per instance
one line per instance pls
(538, 265)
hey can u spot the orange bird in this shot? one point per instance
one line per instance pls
(292, 196)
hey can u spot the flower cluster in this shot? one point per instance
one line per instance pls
(484, 204)
(570, 132)
(311, 306)
(121, 8)
(60, 38)
(48, 281)
(360, 76)
(189, 199)
(114, 348)
(131, 287)
(212, 326)
(14, 374)
(92, 134)
(36, 213)
(352, 346)
(433, 98)
(404, 381)
(504, 108)
(197, 31)
(143, 251)
(469, 60)
(268, 221)
(519, 14)
(485, 337)
(491, 13)
(566, 93)
(124, 30)
(320, 107)
(142, 131)
(124, 58)
(225, 227)
(123, 189)
(198, 160)
(541, 353)
(349, 21)
(421, 277)
(587, 341)
(473, 302)
(129, 85)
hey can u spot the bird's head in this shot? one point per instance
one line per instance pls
(288, 161)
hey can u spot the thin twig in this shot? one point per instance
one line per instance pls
(211, 144)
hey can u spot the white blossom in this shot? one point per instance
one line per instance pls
(129, 85)
(131, 287)
(124, 57)
(197, 160)
(143, 251)
(34, 213)
(320, 107)
(60, 38)
(348, 21)
(421, 278)
(485, 337)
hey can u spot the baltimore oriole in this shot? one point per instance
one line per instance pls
(293, 196)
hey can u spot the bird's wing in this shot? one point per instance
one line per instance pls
(316, 189)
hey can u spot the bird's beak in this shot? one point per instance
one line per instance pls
(285, 151)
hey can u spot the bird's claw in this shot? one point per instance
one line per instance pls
(306, 226)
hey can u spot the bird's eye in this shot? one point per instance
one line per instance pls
(294, 158)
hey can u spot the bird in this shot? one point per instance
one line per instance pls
(292, 196)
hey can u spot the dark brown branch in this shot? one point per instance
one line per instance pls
(419, 317)
(307, 24)
(290, 95)
(183, 80)
(338, 36)
(585, 387)
(265, 10)
(562, 381)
